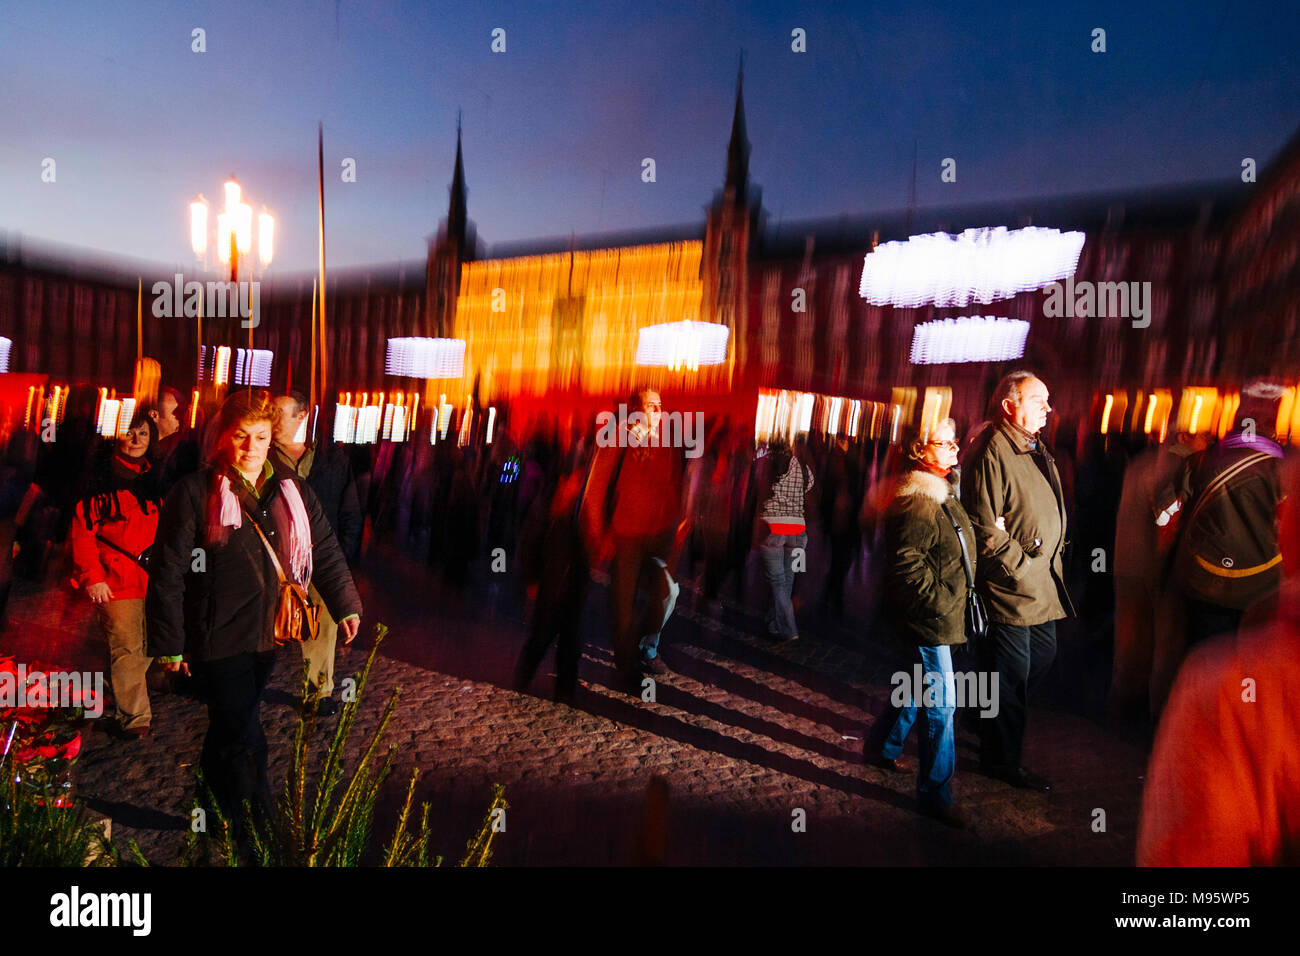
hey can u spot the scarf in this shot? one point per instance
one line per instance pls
(100, 501)
(230, 515)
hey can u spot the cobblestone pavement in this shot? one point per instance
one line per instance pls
(743, 733)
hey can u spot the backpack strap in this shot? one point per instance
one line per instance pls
(1220, 482)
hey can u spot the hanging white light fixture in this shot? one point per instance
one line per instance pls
(426, 358)
(682, 345)
(979, 265)
(972, 338)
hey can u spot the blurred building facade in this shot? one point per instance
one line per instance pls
(559, 320)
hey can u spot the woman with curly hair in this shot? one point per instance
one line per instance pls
(214, 591)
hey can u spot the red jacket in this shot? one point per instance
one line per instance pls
(1223, 787)
(647, 499)
(95, 562)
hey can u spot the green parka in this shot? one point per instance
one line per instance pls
(1013, 495)
(925, 583)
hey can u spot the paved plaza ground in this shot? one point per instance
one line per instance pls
(743, 733)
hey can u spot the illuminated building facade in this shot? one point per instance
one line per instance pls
(569, 322)
(558, 322)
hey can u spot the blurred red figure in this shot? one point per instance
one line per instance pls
(1223, 786)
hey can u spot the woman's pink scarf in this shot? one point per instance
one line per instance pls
(299, 525)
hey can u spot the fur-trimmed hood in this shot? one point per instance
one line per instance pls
(925, 484)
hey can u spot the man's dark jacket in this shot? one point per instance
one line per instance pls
(331, 478)
(223, 602)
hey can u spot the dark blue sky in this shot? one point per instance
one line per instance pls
(556, 127)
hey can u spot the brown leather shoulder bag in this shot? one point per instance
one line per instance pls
(297, 618)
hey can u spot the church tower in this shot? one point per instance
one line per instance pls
(453, 246)
(732, 220)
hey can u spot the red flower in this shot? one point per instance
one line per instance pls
(71, 749)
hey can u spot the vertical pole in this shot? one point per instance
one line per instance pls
(320, 213)
(312, 393)
(252, 321)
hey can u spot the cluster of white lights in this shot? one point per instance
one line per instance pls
(426, 358)
(358, 426)
(783, 413)
(979, 265)
(5, 346)
(975, 338)
(682, 345)
(115, 416)
(438, 430)
(397, 422)
(251, 367)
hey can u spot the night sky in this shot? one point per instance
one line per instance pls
(556, 127)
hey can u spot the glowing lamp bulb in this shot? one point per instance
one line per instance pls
(199, 226)
(265, 238)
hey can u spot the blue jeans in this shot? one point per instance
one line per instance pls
(939, 738)
(776, 553)
(659, 611)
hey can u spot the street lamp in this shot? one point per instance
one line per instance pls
(234, 230)
(234, 239)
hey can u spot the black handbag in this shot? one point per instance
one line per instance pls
(977, 619)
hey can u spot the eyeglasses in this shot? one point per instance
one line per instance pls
(950, 445)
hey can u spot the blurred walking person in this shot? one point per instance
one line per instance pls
(177, 453)
(929, 544)
(1149, 638)
(631, 514)
(111, 535)
(1227, 559)
(553, 560)
(1223, 784)
(328, 473)
(782, 481)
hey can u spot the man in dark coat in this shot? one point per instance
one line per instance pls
(177, 453)
(1012, 492)
(326, 470)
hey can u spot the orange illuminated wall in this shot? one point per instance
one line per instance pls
(568, 321)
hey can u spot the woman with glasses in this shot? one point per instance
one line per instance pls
(925, 599)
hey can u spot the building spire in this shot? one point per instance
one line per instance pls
(457, 209)
(738, 147)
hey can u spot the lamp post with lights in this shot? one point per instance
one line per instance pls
(234, 236)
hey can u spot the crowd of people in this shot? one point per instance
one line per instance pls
(185, 540)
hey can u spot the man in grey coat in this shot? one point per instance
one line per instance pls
(1012, 492)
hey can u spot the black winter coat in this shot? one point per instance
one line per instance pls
(925, 582)
(223, 602)
(331, 478)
